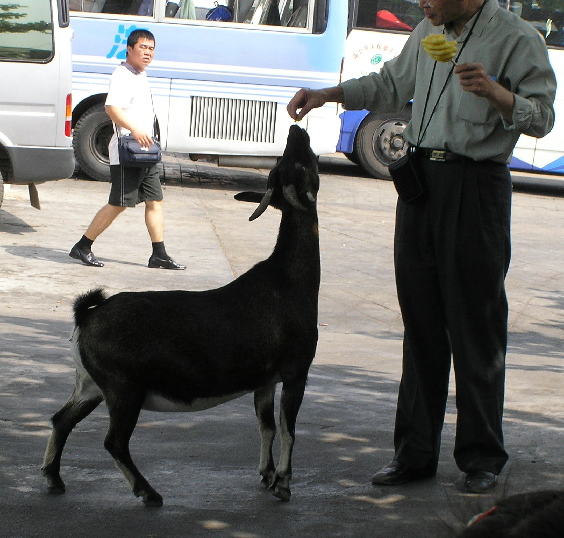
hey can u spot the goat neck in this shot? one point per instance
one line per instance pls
(296, 251)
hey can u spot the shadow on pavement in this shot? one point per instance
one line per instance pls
(205, 464)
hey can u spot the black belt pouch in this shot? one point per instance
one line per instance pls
(408, 178)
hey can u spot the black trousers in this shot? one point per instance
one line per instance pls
(452, 252)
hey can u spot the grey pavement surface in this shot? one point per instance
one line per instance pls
(205, 464)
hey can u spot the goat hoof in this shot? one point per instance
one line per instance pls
(55, 485)
(56, 489)
(152, 500)
(153, 503)
(268, 480)
(282, 493)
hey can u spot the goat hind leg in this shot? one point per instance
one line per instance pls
(85, 398)
(264, 409)
(124, 413)
(290, 402)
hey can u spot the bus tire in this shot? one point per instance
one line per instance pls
(91, 136)
(352, 157)
(1, 190)
(379, 142)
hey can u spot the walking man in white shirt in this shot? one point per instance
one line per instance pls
(129, 105)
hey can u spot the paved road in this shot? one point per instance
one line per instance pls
(205, 464)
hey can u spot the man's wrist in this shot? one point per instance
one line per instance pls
(334, 94)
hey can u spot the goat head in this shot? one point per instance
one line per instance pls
(294, 179)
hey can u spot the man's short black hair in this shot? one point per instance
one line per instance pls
(136, 35)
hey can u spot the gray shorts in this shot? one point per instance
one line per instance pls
(131, 186)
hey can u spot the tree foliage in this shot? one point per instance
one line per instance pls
(8, 16)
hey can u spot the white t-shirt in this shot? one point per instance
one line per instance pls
(130, 91)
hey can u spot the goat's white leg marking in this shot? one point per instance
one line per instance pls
(84, 399)
(290, 402)
(264, 408)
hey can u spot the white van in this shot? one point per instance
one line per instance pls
(35, 94)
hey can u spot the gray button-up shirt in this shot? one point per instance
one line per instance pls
(510, 49)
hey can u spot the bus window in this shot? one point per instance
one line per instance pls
(291, 13)
(182, 9)
(92, 6)
(547, 16)
(118, 7)
(401, 15)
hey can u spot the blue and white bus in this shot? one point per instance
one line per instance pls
(220, 87)
(378, 31)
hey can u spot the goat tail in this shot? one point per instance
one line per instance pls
(83, 303)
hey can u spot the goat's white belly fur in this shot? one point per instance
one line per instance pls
(157, 402)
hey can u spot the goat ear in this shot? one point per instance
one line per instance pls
(249, 196)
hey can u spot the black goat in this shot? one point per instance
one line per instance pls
(188, 350)
(537, 514)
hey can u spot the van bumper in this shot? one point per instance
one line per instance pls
(33, 164)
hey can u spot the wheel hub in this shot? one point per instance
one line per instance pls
(389, 143)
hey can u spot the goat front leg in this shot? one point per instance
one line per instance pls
(290, 402)
(124, 412)
(264, 409)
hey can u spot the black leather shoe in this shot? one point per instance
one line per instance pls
(396, 473)
(85, 256)
(164, 263)
(480, 481)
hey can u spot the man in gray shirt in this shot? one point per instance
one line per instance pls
(452, 245)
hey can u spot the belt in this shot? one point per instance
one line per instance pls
(442, 155)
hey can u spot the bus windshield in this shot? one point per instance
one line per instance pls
(378, 31)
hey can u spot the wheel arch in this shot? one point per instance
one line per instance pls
(350, 123)
(85, 105)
